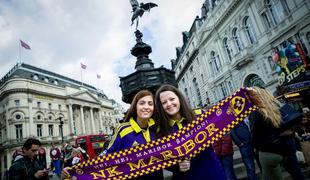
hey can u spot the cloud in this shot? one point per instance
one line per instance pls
(60, 33)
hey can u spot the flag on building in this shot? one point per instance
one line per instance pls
(98, 76)
(83, 66)
(24, 45)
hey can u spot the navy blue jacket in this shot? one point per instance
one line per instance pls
(241, 134)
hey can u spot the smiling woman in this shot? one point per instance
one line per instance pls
(138, 128)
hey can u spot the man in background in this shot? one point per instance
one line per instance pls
(28, 167)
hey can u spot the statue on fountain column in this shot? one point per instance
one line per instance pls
(138, 10)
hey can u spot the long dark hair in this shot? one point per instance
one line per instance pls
(162, 117)
(132, 111)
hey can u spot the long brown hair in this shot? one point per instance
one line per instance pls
(162, 117)
(132, 112)
(268, 105)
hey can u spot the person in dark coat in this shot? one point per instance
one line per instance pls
(276, 146)
(241, 135)
(28, 167)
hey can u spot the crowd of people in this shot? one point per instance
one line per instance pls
(260, 137)
(29, 162)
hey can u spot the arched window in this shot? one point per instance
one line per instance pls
(197, 92)
(253, 80)
(215, 62)
(277, 9)
(226, 48)
(35, 77)
(237, 40)
(266, 20)
(249, 30)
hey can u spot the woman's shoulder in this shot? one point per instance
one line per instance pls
(121, 127)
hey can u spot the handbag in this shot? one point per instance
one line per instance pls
(290, 117)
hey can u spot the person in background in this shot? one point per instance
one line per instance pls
(303, 129)
(42, 157)
(66, 153)
(276, 148)
(224, 150)
(28, 167)
(55, 156)
(83, 151)
(18, 153)
(173, 113)
(241, 135)
(76, 156)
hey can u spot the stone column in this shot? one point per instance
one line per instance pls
(100, 120)
(71, 120)
(92, 122)
(82, 121)
(30, 126)
(8, 158)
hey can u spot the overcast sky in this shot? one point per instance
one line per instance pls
(62, 33)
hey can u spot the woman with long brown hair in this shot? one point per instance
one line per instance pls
(138, 128)
(275, 147)
(173, 113)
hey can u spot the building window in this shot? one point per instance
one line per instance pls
(249, 30)
(207, 98)
(50, 118)
(35, 77)
(215, 62)
(39, 104)
(197, 92)
(277, 10)
(46, 79)
(266, 20)
(60, 130)
(19, 131)
(18, 116)
(39, 130)
(17, 103)
(186, 94)
(226, 48)
(230, 87)
(39, 117)
(223, 89)
(271, 63)
(237, 40)
(50, 130)
(49, 105)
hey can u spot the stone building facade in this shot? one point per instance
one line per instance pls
(33, 101)
(230, 46)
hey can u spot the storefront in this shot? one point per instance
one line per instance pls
(292, 67)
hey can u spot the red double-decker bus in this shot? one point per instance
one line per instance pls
(92, 144)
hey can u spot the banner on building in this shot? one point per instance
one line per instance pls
(290, 63)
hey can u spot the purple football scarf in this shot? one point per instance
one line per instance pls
(166, 151)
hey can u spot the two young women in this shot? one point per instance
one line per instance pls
(172, 113)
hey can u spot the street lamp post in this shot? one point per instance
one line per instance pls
(61, 129)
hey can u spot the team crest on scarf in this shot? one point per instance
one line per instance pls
(236, 105)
